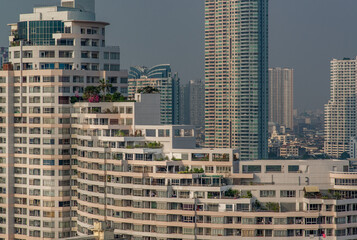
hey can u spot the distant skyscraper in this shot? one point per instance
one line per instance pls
(281, 96)
(197, 103)
(4, 56)
(166, 82)
(193, 103)
(340, 112)
(236, 69)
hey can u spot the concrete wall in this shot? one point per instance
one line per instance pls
(147, 109)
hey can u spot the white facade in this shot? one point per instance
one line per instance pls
(340, 112)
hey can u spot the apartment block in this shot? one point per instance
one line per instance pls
(54, 53)
(340, 111)
(151, 182)
(236, 76)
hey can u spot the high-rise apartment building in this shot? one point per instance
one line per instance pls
(168, 84)
(55, 52)
(281, 96)
(340, 111)
(236, 69)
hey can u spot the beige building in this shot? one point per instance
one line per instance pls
(281, 96)
(55, 52)
(150, 182)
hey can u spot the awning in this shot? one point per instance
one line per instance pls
(311, 189)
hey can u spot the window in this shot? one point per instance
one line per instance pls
(65, 42)
(287, 193)
(48, 79)
(310, 221)
(47, 65)
(65, 54)
(252, 168)
(242, 207)
(49, 162)
(150, 132)
(272, 168)
(114, 55)
(47, 54)
(293, 168)
(267, 193)
(340, 220)
(114, 67)
(48, 110)
(17, 54)
(27, 54)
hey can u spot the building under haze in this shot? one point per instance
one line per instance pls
(55, 52)
(168, 84)
(236, 72)
(340, 111)
(281, 96)
(193, 102)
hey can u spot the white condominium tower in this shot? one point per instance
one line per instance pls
(55, 52)
(340, 112)
(281, 96)
(236, 69)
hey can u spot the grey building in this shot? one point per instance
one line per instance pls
(281, 96)
(194, 103)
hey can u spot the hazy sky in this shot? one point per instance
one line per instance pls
(304, 35)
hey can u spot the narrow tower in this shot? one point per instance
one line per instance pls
(236, 69)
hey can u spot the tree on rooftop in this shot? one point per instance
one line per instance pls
(148, 89)
(104, 86)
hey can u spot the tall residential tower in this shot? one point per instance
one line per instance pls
(281, 96)
(340, 111)
(55, 52)
(236, 69)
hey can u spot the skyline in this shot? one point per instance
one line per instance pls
(291, 24)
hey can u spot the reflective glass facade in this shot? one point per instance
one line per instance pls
(40, 32)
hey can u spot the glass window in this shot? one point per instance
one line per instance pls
(252, 168)
(273, 168)
(293, 168)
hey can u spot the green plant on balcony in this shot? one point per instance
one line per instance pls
(121, 133)
(272, 206)
(154, 145)
(257, 205)
(148, 89)
(198, 170)
(231, 193)
(248, 195)
(337, 195)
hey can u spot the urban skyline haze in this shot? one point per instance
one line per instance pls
(305, 35)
